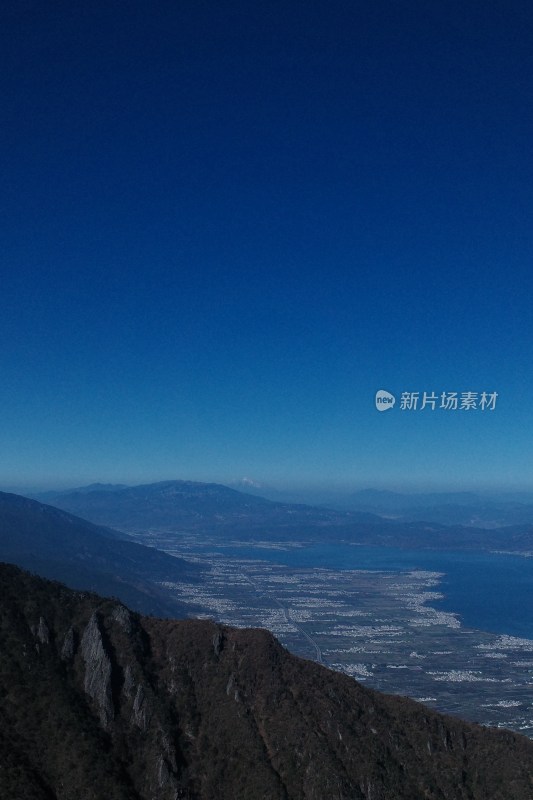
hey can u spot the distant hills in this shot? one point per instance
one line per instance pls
(190, 505)
(92, 487)
(99, 703)
(214, 509)
(483, 510)
(374, 500)
(58, 545)
(446, 508)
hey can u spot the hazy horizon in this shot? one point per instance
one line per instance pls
(255, 486)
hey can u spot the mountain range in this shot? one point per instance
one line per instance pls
(214, 509)
(100, 703)
(190, 505)
(473, 509)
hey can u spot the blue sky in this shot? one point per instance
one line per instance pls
(226, 225)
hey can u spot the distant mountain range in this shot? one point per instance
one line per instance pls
(190, 505)
(99, 703)
(58, 545)
(380, 500)
(483, 510)
(210, 508)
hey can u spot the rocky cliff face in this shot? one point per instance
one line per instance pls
(97, 682)
(98, 703)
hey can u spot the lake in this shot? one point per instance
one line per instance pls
(490, 592)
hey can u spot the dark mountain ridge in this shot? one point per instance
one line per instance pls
(99, 703)
(61, 546)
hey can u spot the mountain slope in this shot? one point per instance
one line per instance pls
(98, 703)
(83, 555)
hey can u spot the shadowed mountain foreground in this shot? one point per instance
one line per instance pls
(99, 703)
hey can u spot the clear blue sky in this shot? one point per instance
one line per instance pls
(227, 224)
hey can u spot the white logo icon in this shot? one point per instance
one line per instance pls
(384, 400)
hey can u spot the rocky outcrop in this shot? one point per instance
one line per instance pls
(43, 634)
(141, 708)
(69, 645)
(129, 682)
(123, 616)
(98, 670)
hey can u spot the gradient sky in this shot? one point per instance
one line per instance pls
(227, 224)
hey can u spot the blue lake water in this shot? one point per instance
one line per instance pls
(490, 592)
